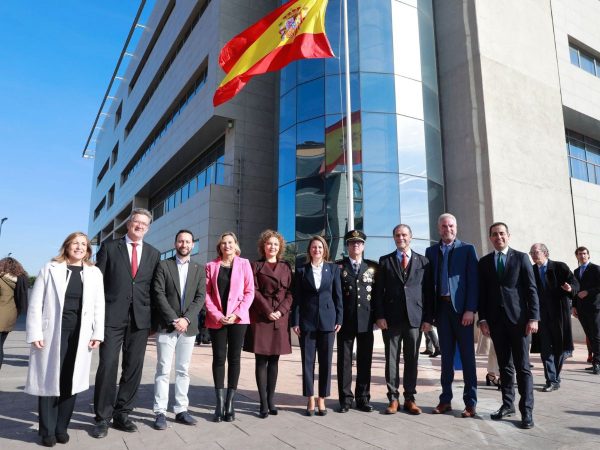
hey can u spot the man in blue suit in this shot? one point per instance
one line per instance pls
(456, 291)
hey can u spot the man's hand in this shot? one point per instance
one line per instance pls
(425, 327)
(566, 287)
(532, 327)
(94, 344)
(467, 318)
(382, 324)
(485, 329)
(574, 312)
(582, 294)
(181, 325)
(337, 328)
(296, 330)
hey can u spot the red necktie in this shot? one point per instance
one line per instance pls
(404, 261)
(134, 263)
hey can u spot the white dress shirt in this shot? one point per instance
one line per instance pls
(317, 274)
(128, 241)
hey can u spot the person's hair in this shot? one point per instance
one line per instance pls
(141, 211)
(402, 225)
(581, 249)
(238, 250)
(184, 231)
(12, 267)
(264, 237)
(497, 224)
(325, 248)
(446, 216)
(543, 248)
(62, 252)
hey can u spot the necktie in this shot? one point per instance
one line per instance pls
(404, 261)
(356, 268)
(543, 276)
(134, 263)
(444, 275)
(581, 270)
(500, 267)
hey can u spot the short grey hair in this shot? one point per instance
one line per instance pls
(542, 247)
(402, 225)
(140, 211)
(446, 216)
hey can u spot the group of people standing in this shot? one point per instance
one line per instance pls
(130, 293)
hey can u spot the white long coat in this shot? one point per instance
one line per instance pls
(44, 321)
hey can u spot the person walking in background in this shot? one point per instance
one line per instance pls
(179, 296)
(13, 297)
(229, 294)
(65, 322)
(432, 344)
(128, 265)
(455, 287)
(268, 336)
(402, 311)
(317, 316)
(556, 285)
(509, 312)
(358, 291)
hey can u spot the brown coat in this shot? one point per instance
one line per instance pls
(273, 292)
(13, 299)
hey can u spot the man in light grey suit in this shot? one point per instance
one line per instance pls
(179, 297)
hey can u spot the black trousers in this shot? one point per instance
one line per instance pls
(266, 371)
(551, 348)
(512, 351)
(227, 343)
(54, 413)
(132, 342)
(313, 344)
(590, 322)
(364, 358)
(3, 336)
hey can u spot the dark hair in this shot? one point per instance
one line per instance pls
(264, 237)
(581, 249)
(12, 267)
(497, 224)
(401, 225)
(184, 231)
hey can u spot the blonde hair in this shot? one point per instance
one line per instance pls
(62, 252)
(238, 250)
(264, 237)
(325, 248)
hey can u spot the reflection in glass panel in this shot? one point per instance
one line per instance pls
(414, 205)
(337, 204)
(411, 146)
(379, 142)
(591, 173)
(592, 155)
(375, 29)
(309, 69)
(335, 98)
(287, 110)
(201, 180)
(287, 156)
(286, 210)
(210, 174)
(335, 139)
(597, 174)
(381, 203)
(287, 77)
(220, 175)
(193, 184)
(433, 144)
(409, 99)
(311, 99)
(333, 21)
(574, 54)
(587, 63)
(431, 110)
(436, 207)
(337, 248)
(376, 92)
(578, 169)
(310, 207)
(310, 148)
(407, 53)
(576, 149)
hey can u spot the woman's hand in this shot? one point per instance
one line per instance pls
(296, 330)
(38, 344)
(275, 315)
(94, 344)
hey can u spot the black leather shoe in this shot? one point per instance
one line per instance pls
(160, 423)
(48, 441)
(62, 438)
(504, 411)
(263, 414)
(185, 418)
(596, 369)
(126, 425)
(364, 407)
(426, 352)
(527, 421)
(100, 429)
(435, 354)
(549, 387)
(322, 412)
(344, 409)
(273, 411)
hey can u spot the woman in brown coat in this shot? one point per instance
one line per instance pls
(268, 336)
(13, 297)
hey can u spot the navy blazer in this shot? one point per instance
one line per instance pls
(516, 293)
(463, 277)
(317, 309)
(590, 282)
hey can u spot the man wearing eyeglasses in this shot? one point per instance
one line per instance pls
(128, 266)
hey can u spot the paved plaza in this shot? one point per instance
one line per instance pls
(568, 418)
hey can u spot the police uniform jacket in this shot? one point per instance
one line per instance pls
(358, 293)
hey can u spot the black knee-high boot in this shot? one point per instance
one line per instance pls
(271, 383)
(229, 411)
(219, 412)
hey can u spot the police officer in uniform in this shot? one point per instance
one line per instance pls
(358, 291)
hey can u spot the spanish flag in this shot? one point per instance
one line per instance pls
(293, 31)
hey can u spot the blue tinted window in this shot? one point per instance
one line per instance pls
(311, 99)
(375, 29)
(381, 203)
(335, 141)
(287, 156)
(436, 207)
(574, 54)
(288, 77)
(309, 69)
(377, 92)
(310, 207)
(578, 169)
(411, 146)
(576, 149)
(286, 210)
(337, 203)
(587, 63)
(335, 88)
(287, 110)
(310, 147)
(379, 142)
(333, 21)
(414, 205)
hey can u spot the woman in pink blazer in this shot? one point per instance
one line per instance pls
(229, 294)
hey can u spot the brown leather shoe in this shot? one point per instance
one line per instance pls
(442, 408)
(411, 407)
(392, 407)
(469, 411)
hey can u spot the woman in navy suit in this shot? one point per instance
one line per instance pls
(317, 316)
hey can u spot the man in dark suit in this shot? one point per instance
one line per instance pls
(358, 282)
(179, 296)
(128, 265)
(401, 310)
(509, 312)
(455, 286)
(556, 286)
(586, 304)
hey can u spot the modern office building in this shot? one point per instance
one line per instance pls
(489, 110)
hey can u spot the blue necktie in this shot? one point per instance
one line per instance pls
(543, 276)
(444, 281)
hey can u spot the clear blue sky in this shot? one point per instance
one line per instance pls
(56, 59)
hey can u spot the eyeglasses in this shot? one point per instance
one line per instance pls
(535, 252)
(139, 223)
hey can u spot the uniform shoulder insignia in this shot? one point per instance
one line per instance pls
(370, 262)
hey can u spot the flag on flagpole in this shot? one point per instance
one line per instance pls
(295, 30)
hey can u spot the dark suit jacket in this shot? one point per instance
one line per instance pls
(515, 293)
(591, 283)
(358, 293)
(122, 290)
(317, 309)
(392, 293)
(167, 295)
(463, 276)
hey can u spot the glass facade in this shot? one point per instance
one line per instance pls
(584, 157)
(397, 157)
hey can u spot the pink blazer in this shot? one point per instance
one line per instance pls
(241, 292)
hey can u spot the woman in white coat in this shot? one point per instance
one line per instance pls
(65, 321)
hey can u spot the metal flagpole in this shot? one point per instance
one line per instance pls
(349, 163)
